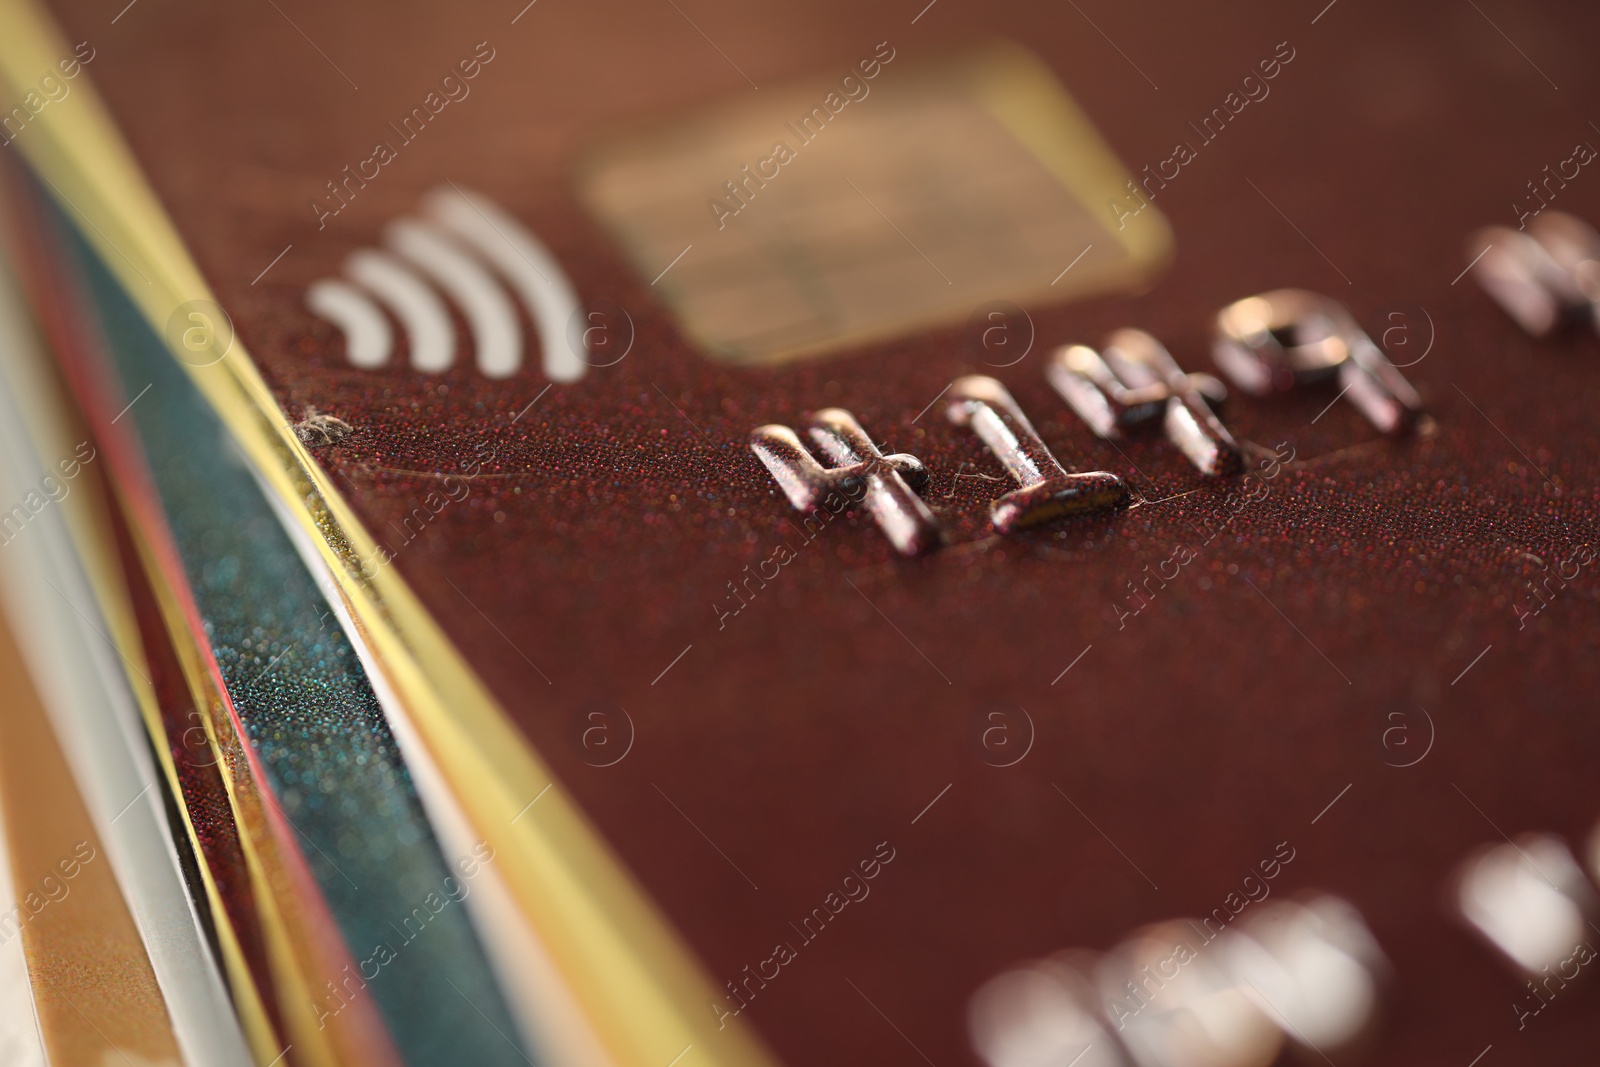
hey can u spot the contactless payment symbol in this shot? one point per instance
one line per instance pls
(467, 248)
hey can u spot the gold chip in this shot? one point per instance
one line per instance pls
(891, 197)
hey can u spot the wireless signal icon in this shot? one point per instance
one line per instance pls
(474, 252)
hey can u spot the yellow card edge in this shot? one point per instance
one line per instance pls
(117, 963)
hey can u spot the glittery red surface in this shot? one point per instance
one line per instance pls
(1256, 686)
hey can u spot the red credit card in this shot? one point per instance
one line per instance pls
(702, 371)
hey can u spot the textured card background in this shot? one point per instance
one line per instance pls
(608, 518)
